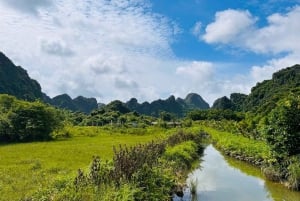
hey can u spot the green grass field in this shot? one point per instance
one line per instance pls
(26, 167)
(239, 145)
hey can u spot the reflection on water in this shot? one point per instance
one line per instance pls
(226, 179)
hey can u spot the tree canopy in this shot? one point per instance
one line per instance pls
(27, 121)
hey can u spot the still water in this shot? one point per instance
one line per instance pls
(226, 179)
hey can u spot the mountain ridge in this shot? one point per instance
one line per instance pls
(14, 80)
(264, 95)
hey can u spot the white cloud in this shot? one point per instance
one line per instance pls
(260, 73)
(278, 38)
(197, 70)
(56, 47)
(237, 28)
(28, 6)
(123, 83)
(104, 64)
(204, 78)
(280, 35)
(228, 26)
(119, 49)
(98, 48)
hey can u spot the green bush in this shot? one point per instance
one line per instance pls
(294, 173)
(183, 154)
(282, 130)
(153, 183)
(27, 121)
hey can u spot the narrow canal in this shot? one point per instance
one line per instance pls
(225, 179)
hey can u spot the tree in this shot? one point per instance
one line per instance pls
(282, 131)
(166, 116)
(27, 121)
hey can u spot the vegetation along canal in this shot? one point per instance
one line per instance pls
(227, 179)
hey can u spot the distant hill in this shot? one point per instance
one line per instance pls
(80, 103)
(177, 106)
(195, 101)
(264, 95)
(235, 102)
(223, 103)
(14, 80)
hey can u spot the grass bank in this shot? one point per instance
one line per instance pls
(240, 147)
(142, 172)
(257, 152)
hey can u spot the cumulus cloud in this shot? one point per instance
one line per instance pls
(28, 6)
(229, 26)
(120, 49)
(260, 73)
(237, 28)
(277, 38)
(123, 83)
(204, 78)
(104, 64)
(279, 35)
(98, 48)
(197, 70)
(56, 47)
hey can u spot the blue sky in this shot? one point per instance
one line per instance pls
(188, 12)
(118, 49)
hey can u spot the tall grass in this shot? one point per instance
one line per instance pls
(240, 147)
(140, 168)
(27, 167)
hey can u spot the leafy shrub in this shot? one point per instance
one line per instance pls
(27, 121)
(282, 130)
(294, 173)
(154, 183)
(183, 154)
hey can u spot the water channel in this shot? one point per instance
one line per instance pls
(225, 179)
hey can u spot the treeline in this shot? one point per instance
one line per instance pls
(22, 121)
(114, 113)
(215, 114)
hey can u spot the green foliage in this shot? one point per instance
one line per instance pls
(166, 116)
(183, 154)
(28, 167)
(265, 95)
(223, 103)
(127, 161)
(243, 148)
(154, 183)
(135, 173)
(215, 114)
(27, 121)
(237, 100)
(117, 106)
(177, 107)
(115, 114)
(294, 173)
(282, 129)
(15, 81)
